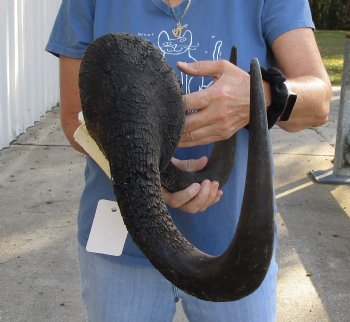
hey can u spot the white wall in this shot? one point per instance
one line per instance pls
(28, 75)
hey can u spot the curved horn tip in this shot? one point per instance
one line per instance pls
(256, 80)
(233, 55)
(254, 66)
(257, 95)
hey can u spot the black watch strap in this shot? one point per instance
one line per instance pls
(282, 101)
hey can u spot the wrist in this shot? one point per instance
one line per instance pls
(282, 99)
(279, 99)
(267, 93)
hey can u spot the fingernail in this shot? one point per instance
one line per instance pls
(181, 63)
(196, 187)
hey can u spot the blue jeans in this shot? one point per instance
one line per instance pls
(114, 292)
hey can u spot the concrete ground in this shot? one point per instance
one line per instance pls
(40, 183)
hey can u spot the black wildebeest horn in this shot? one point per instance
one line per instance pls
(132, 106)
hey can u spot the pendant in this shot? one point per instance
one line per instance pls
(177, 31)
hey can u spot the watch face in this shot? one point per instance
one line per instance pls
(291, 99)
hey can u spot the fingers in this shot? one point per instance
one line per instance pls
(197, 100)
(206, 103)
(213, 195)
(221, 109)
(180, 198)
(204, 135)
(195, 198)
(223, 117)
(215, 69)
(191, 164)
(212, 68)
(216, 131)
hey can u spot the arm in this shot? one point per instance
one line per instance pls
(70, 98)
(223, 108)
(297, 55)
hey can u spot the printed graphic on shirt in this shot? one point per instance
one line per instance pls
(185, 48)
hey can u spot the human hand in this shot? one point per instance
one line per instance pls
(222, 109)
(196, 197)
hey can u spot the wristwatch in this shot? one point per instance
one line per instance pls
(282, 98)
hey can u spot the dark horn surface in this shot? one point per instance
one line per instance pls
(125, 85)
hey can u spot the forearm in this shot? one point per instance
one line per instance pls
(70, 98)
(312, 105)
(299, 59)
(69, 126)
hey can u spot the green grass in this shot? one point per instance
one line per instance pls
(332, 44)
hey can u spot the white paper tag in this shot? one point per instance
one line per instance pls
(108, 232)
(82, 136)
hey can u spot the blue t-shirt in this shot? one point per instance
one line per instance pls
(212, 28)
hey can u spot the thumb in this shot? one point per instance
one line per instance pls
(191, 164)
